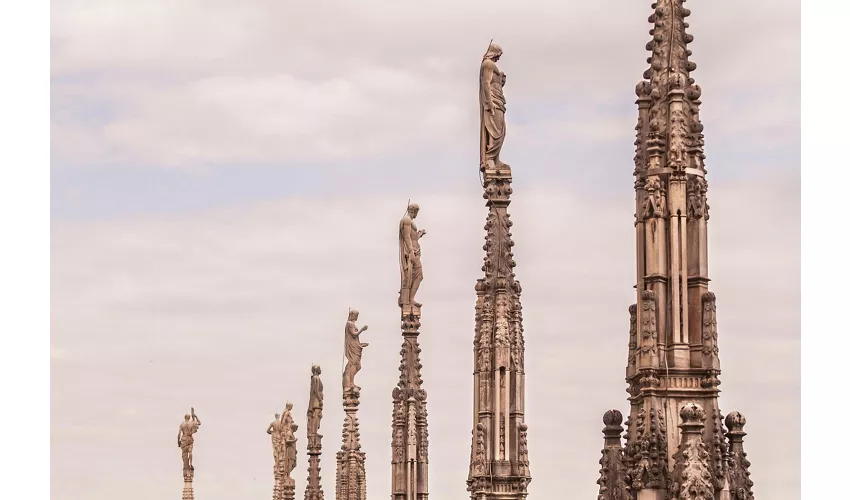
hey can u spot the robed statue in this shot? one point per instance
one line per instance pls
(314, 407)
(353, 351)
(492, 104)
(287, 453)
(409, 260)
(186, 440)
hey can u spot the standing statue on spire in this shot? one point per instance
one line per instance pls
(287, 454)
(186, 440)
(409, 260)
(276, 432)
(314, 408)
(353, 352)
(492, 104)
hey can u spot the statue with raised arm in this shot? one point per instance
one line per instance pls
(314, 407)
(353, 351)
(288, 439)
(492, 104)
(409, 260)
(186, 440)
(276, 432)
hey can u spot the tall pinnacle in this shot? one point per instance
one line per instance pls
(350, 459)
(410, 407)
(499, 465)
(313, 490)
(673, 356)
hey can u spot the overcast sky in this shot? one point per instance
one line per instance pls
(227, 179)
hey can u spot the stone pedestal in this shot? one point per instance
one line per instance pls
(188, 492)
(287, 489)
(276, 491)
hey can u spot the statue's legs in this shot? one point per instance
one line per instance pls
(415, 282)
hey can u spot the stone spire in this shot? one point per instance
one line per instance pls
(350, 459)
(410, 411)
(612, 475)
(739, 467)
(499, 465)
(313, 490)
(673, 355)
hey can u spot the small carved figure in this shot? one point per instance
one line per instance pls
(186, 440)
(492, 104)
(409, 257)
(353, 351)
(314, 408)
(288, 439)
(275, 431)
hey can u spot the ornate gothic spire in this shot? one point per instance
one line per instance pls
(673, 354)
(499, 464)
(410, 407)
(740, 485)
(350, 459)
(313, 490)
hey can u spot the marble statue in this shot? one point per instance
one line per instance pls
(353, 351)
(409, 257)
(492, 103)
(186, 440)
(315, 405)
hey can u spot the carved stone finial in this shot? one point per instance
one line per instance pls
(612, 475)
(691, 478)
(612, 418)
(735, 422)
(692, 415)
(740, 484)
(642, 89)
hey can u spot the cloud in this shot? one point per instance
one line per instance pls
(190, 82)
(226, 310)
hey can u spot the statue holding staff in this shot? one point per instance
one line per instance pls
(409, 259)
(353, 351)
(492, 104)
(186, 440)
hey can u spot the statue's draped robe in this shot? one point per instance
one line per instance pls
(411, 267)
(353, 351)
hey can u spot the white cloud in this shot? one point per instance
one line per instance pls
(187, 82)
(226, 311)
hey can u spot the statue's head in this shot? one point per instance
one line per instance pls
(187, 417)
(317, 370)
(413, 210)
(353, 314)
(494, 52)
(288, 406)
